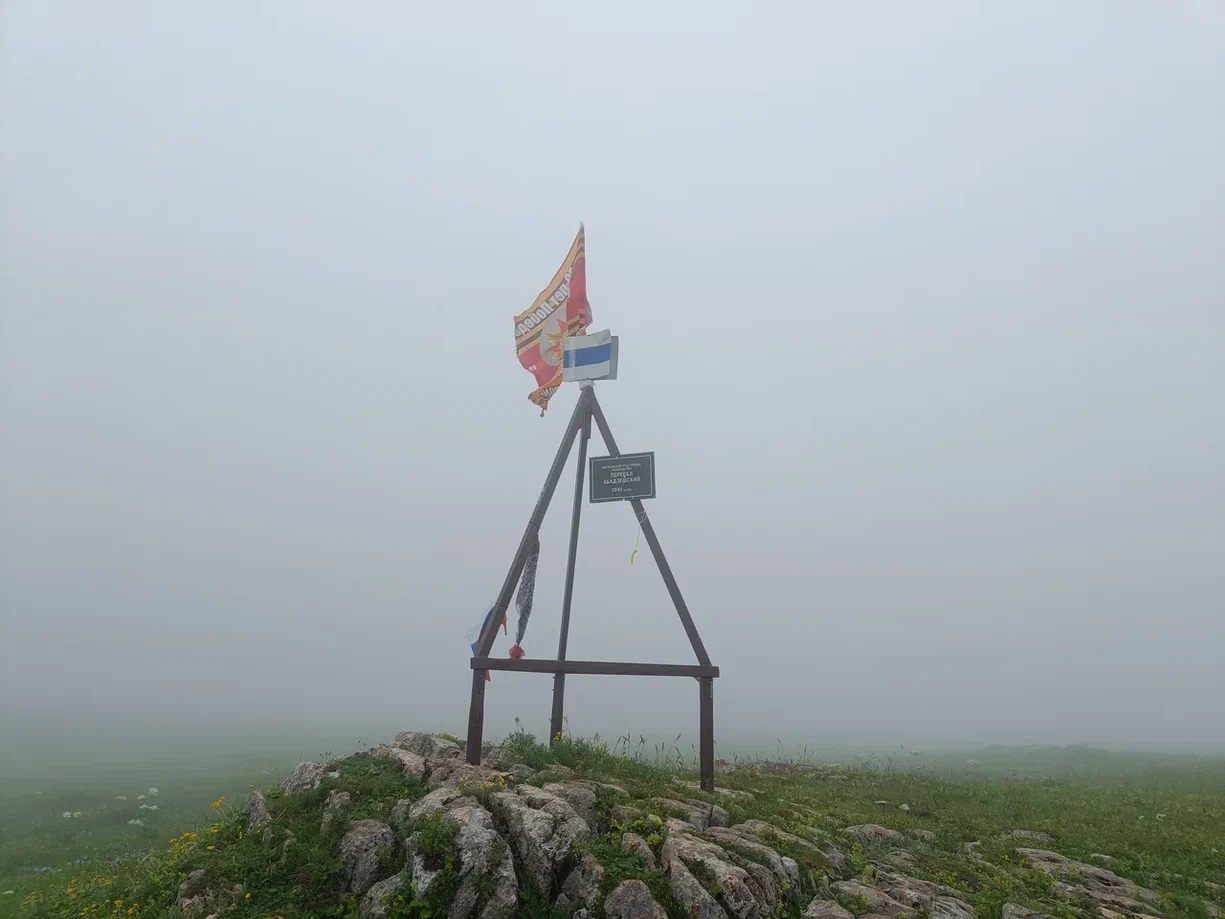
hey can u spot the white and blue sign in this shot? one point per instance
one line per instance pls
(589, 357)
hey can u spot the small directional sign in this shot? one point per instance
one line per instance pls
(620, 478)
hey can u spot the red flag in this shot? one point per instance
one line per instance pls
(560, 310)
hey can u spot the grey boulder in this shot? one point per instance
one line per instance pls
(305, 777)
(632, 900)
(360, 849)
(256, 810)
(543, 829)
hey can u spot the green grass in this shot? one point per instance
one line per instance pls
(1161, 818)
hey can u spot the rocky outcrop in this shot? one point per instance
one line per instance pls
(374, 904)
(436, 752)
(360, 849)
(877, 902)
(581, 886)
(1013, 911)
(542, 828)
(633, 844)
(256, 811)
(736, 889)
(696, 813)
(408, 811)
(826, 909)
(632, 900)
(411, 764)
(305, 777)
(693, 898)
(872, 832)
(331, 807)
(783, 877)
(581, 796)
(194, 899)
(938, 900)
(487, 885)
(1104, 887)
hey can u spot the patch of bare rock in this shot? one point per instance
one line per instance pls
(1080, 879)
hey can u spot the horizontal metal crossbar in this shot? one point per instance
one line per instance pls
(616, 668)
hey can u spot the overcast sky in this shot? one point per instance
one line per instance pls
(922, 309)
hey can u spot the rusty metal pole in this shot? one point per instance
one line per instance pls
(706, 731)
(559, 678)
(476, 708)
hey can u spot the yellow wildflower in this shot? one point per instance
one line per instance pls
(248, 896)
(216, 804)
(211, 848)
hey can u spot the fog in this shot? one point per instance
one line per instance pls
(921, 307)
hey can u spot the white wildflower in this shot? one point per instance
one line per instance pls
(152, 807)
(7, 892)
(144, 807)
(67, 814)
(140, 797)
(153, 791)
(121, 797)
(77, 814)
(136, 822)
(1161, 816)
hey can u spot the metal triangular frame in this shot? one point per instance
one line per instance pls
(586, 409)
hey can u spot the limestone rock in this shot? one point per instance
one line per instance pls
(625, 813)
(694, 899)
(838, 860)
(878, 902)
(872, 832)
(486, 867)
(1013, 911)
(826, 909)
(194, 900)
(582, 884)
(900, 858)
(1105, 887)
(910, 891)
(698, 814)
(467, 778)
(374, 903)
(837, 863)
(784, 871)
(633, 844)
(410, 811)
(411, 764)
(941, 902)
(331, 807)
(194, 883)
(582, 796)
(359, 852)
(715, 815)
(632, 900)
(542, 828)
(741, 893)
(256, 811)
(435, 751)
(304, 778)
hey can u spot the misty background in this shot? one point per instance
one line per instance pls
(922, 309)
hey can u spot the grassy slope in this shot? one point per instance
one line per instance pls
(1163, 824)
